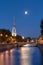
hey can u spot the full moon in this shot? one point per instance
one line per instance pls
(26, 12)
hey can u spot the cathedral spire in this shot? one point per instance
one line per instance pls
(14, 28)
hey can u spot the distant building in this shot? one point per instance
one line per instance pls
(14, 29)
(33, 40)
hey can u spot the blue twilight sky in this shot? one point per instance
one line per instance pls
(26, 25)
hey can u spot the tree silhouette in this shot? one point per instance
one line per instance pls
(4, 34)
(41, 27)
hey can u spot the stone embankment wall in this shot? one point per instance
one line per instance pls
(40, 46)
(4, 47)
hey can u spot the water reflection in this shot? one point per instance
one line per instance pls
(6, 58)
(21, 56)
(17, 56)
(1, 59)
(30, 56)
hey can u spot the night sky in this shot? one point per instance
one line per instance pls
(26, 25)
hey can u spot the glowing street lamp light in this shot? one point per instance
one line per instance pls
(22, 37)
(6, 35)
(1, 34)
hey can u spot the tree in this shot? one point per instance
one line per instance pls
(4, 34)
(41, 27)
(18, 38)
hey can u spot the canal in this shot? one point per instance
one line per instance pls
(26, 55)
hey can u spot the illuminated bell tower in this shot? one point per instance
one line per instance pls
(14, 28)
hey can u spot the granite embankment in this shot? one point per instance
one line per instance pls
(4, 47)
(40, 46)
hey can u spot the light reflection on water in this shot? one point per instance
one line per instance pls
(30, 56)
(21, 56)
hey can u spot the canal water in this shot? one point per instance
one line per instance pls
(27, 55)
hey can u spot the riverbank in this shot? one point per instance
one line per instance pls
(4, 47)
(10, 46)
(40, 46)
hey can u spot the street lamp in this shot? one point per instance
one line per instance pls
(6, 35)
(1, 34)
(22, 37)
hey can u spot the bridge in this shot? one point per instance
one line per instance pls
(9, 46)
